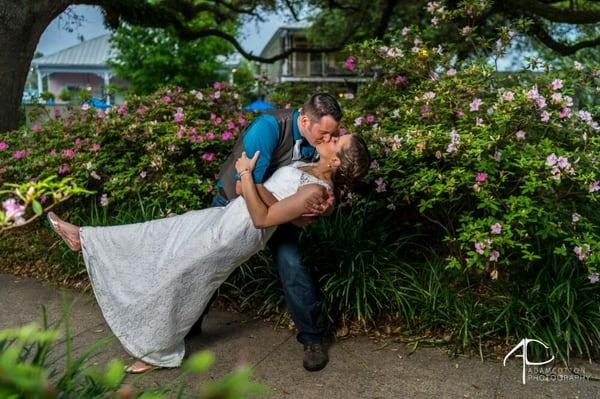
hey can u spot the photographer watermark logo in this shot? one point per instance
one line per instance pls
(523, 344)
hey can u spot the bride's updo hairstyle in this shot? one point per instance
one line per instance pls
(354, 163)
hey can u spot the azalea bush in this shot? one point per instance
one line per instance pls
(165, 148)
(504, 168)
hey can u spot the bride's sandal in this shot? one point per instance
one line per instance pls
(139, 367)
(52, 218)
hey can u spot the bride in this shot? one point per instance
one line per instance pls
(152, 280)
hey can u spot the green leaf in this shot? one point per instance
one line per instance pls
(37, 207)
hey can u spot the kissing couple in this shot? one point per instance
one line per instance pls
(154, 281)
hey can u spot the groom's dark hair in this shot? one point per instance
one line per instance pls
(320, 105)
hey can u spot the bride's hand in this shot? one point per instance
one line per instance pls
(245, 163)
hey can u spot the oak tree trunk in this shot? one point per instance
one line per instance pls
(22, 22)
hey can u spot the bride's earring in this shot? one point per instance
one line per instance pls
(329, 165)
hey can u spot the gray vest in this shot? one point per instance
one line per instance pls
(281, 156)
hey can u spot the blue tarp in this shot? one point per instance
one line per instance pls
(96, 102)
(259, 105)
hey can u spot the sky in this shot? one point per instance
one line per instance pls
(253, 35)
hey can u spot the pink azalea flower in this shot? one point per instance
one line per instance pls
(480, 177)
(451, 72)
(582, 252)
(69, 153)
(520, 135)
(541, 102)
(508, 96)
(380, 185)
(556, 98)
(374, 165)
(556, 84)
(210, 135)
(104, 200)
(585, 116)
(594, 277)
(217, 85)
(12, 209)
(428, 96)
(475, 104)
(19, 154)
(494, 255)
(459, 113)
(210, 188)
(342, 131)
(95, 147)
(595, 186)
(122, 109)
(533, 94)
(479, 247)
(496, 228)
(178, 117)
(349, 63)
(230, 125)
(85, 106)
(545, 116)
(217, 94)
(36, 127)
(551, 159)
(3, 146)
(242, 121)
(226, 135)
(370, 118)
(62, 169)
(181, 132)
(166, 99)
(358, 121)
(209, 156)
(564, 113)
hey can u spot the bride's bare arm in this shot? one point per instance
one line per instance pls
(280, 212)
(284, 211)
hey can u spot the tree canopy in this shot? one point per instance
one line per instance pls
(336, 23)
(150, 58)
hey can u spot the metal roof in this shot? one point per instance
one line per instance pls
(93, 52)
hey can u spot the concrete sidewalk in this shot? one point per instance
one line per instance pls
(358, 367)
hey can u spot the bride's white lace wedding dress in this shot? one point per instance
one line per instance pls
(152, 280)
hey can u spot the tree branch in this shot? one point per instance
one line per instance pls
(554, 14)
(290, 7)
(386, 15)
(564, 49)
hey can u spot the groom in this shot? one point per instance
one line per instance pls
(282, 137)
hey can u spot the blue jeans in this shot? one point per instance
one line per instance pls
(298, 286)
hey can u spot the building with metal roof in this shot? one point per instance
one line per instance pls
(83, 66)
(315, 68)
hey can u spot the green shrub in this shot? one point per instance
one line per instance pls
(27, 370)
